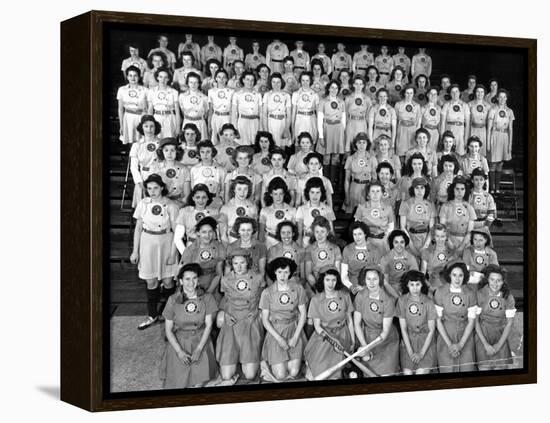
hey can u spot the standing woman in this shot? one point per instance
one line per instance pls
(421, 64)
(143, 155)
(382, 119)
(373, 320)
(357, 107)
(344, 78)
(246, 109)
(384, 154)
(422, 140)
(422, 85)
(430, 117)
(318, 78)
(447, 146)
(479, 112)
(208, 172)
(408, 121)
(194, 104)
(340, 60)
(372, 85)
(457, 214)
(174, 174)
(163, 104)
(212, 66)
(447, 168)
(283, 306)
(331, 310)
(232, 53)
(362, 59)
(436, 257)
(322, 57)
(360, 169)
(305, 102)
(384, 63)
(241, 332)
(153, 250)
(396, 262)
(263, 145)
(246, 228)
(219, 105)
(331, 122)
(276, 116)
(242, 159)
(155, 61)
(416, 313)
(492, 95)
(287, 235)
(378, 216)
(189, 139)
(456, 307)
(288, 75)
(277, 209)
(189, 315)
(239, 205)
(132, 103)
(473, 159)
(262, 86)
(455, 117)
(500, 133)
(480, 199)
(396, 85)
(496, 311)
(416, 167)
(385, 173)
(296, 165)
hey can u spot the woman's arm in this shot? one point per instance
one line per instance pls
(179, 233)
(346, 186)
(269, 327)
(184, 357)
(261, 228)
(299, 327)
(370, 126)
(345, 277)
(389, 288)
(134, 258)
(467, 332)
(405, 336)
(208, 319)
(357, 323)
(351, 328)
(428, 236)
(479, 332)
(216, 279)
(178, 117)
(393, 129)
(429, 338)
(264, 112)
(443, 332)
(121, 116)
(505, 334)
(310, 278)
(511, 135)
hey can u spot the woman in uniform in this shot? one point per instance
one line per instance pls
(500, 126)
(457, 214)
(491, 96)
(133, 60)
(199, 206)
(219, 105)
(378, 216)
(210, 51)
(275, 52)
(396, 85)
(356, 255)
(277, 209)
(435, 258)
(313, 162)
(189, 316)
(456, 306)
(227, 147)
(447, 146)
(277, 158)
(362, 60)
(357, 107)
(396, 262)
(315, 205)
(189, 138)
(208, 172)
(155, 61)
(382, 119)
(455, 117)
(254, 59)
(208, 253)
(322, 251)
(422, 140)
(373, 320)
(241, 332)
(289, 76)
(283, 306)
(262, 86)
(344, 78)
(319, 77)
(447, 168)
(296, 165)
(496, 310)
(469, 93)
(232, 53)
(331, 310)
(408, 121)
(421, 64)
(479, 111)
(263, 145)
(246, 228)
(194, 104)
(322, 57)
(473, 159)
(180, 75)
(276, 111)
(132, 103)
(246, 109)
(384, 63)
(385, 174)
(417, 216)
(480, 199)
(331, 122)
(445, 84)
(287, 235)
(416, 167)
(174, 174)
(153, 250)
(422, 85)
(340, 60)
(210, 70)
(384, 154)
(430, 117)
(416, 313)
(479, 254)
(305, 102)
(239, 205)
(162, 101)
(143, 155)
(360, 169)
(372, 83)
(242, 159)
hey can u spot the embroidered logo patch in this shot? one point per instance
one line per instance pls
(502, 113)
(421, 97)
(479, 260)
(242, 285)
(315, 212)
(205, 255)
(409, 108)
(419, 209)
(233, 51)
(399, 266)
(479, 108)
(151, 147)
(207, 172)
(265, 161)
(191, 307)
(447, 97)
(361, 256)
(288, 254)
(460, 211)
(132, 93)
(358, 101)
(229, 151)
(305, 97)
(161, 95)
(382, 112)
(284, 298)
(494, 304)
(398, 88)
(441, 257)
(194, 100)
(192, 154)
(477, 200)
(322, 255)
(170, 173)
(433, 112)
(372, 89)
(414, 309)
(334, 104)
(456, 108)
(156, 210)
(221, 94)
(375, 213)
(277, 98)
(248, 98)
(279, 214)
(456, 300)
(374, 306)
(332, 306)
(199, 216)
(361, 162)
(240, 211)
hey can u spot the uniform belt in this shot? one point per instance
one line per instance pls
(277, 60)
(278, 117)
(362, 68)
(271, 235)
(360, 181)
(134, 112)
(419, 231)
(383, 127)
(165, 112)
(145, 169)
(478, 125)
(332, 122)
(406, 123)
(309, 113)
(384, 73)
(299, 67)
(190, 330)
(249, 117)
(430, 126)
(222, 113)
(377, 236)
(481, 219)
(500, 130)
(289, 320)
(186, 117)
(454, 233)
(357, 117)
(164, 231)
(455, 123)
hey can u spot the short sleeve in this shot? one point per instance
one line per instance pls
(168, 312)
(389, 309)
(119, 94)
(313, 311)
(438, 298)
(187, 256)
(265, 300)
(134, 150)
(512, 116)
(302, 297)
(384, 264)
(349, 303)
(404, 208)
(210, 304)
(493, 259)
(400, 309)
(300, 213)
(430, 309)
(262, 250)
(444, 211)
(510, 306)
(140, 210)
(180, 220)
(413, 263)
(347, 166)
(359, 301)
(338, 253)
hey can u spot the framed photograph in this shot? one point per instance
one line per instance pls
(255, 211)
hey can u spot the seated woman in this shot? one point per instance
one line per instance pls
(331, 311)
(227, 147)
(174, 174)
(313, 162)
(422, 140)
(239, 205)
(208, 172)
(415, 167)
(479, 254)
(241, 331)
(278, 209)
(283, 306)
(287, 235)
(296, 165)
(189, 139)
(242, 160)
(436, 257)
(447, 168)
(188, 360)
(390, 194)
(245, 228)
(473, 158)
(277, 158)
(397, 262)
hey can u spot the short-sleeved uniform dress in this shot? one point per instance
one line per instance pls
(261, 164)
(408, 115)
(272, 217)
(156, 237)
(357, 107)
(418, 214)
(322, 256)
(363, 170)
(143, 158)
(225, 155)
(378, 220)
(257, 252)
(248, 105)
(436, 260)
(500, 137)
(468, 164)
(484, 206)
(301, 183)
(212, 176)
(276, 105)
(430, 120)
(417, 314)
(241, 335)
(382, 116)
(194, 107)
(306, 213)
(175, 177)
(391, 195)
(290, 180)
(231, 210)
(384, 64)
(333, 313)
(134, 101)
(478, 260)
(293, 252)
(188, 318)
(422, 65)
(396, 265)
(189, 216)
(362, 60)
(249, 174)
(478, 122)
(164, 103)
(138, 62)
(220, 100)
(453, 308)
(180, 75)
(283, 315)
(356, 258)
(296, 164)
(190, 156)
(458, 216)
(439, 187)
(373, 311)
(456, 115)
(207, 257)
(394, 91)
(333, 129)
(493, 314)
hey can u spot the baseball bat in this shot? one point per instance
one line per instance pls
(125, 184)
(338, 347)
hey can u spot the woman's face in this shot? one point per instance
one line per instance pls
(372, 75)
(248, 81)
(502, 99)
(242, 159)
(321, 48)
(372, 280)
(154, 190)
(448, 143)
(305, 144)
(329, 282)
(238, 67)
(134, 52)
(240, 265)
(221, 79)
(206, 234)
(494, 86)
(200, 198)
(384, 50)
(316, 70)
(169, 152)
(190, 136)
(156, 61)
(205, 153)
(148, 128)
(313, 165)
(315, 195)
(399, 244)
(276, 84)
(264, 143)
(278, 196)
(375, 193)
(340, 47)
(460, 190)
(305, 80)
(344, 77)
(241, 191)
(256, 46)
(448, 167)
(480, 94)
(277, 161)
(383, 145)
(358, 85)
(187, 61)
(384, 175)
(382, 97)
(422, 139)
(478, 181)
(213, 68)
(432, 96)
(422, 82)
(286, 234)
(457, 277)
(471, 83)
(163, 78)
(245, 231)
(414, 287)
(440, 237)
(193, 83)
(228, 135)
(419, 191)
(409, 94)
(288, 66)
(320, 233)
(417, 165)
(264, 73)
(358, 236)
(282, 274)
(495, 281)
(455, 93)
(445, 83)
(474, 147)
(132, 77)
(361, 145)
(398, 75)
(479, 241)
(333, 90)
(189, 281)
(232, 40)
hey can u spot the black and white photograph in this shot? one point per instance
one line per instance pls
(290, 209)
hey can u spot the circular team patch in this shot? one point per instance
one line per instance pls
(288, 254)
(345, 92)
(132, 93)
(334, 104)
(322, 255)
(398, 88)
(229, 151)
(398, 266)
(342, 58)
(471, 97)
(191, 307)
(447, 97)
(456, 300)
(161, 95)
(221, 94)
(382, 112)
(384, 60)
(210, 48)
(372, 89)
(361, 256)
(361, 163)
(456, 108)
(479, 260)
(374, 306)
(460, 211)
(477, 200)
(494, 304)
(205, 255)
(365, 57)
(419, 209)
(199, 216)
(240, 211)
(207, 172)
(279, 214)
(248, 98)
(277, 99)
(284, 298)
(409, 108)
(277, 47)
(375, 213)
(433, 112)
(358, 101)
(156, 210)
(421, 97)
(265, 161)
(414, 309)
(385, 194)
(233, 51)
(255, 58)
(242, 285)
(315, 212)
(502, 113)
(300, 55)
(474, 164)
(423, 59)
(479, 108)
(332, 306)
(151, 147)
(401, 60)
(170, 173)
(192, 154)
(194, 100)
(494, 100)
(305, 97)
(441, 257)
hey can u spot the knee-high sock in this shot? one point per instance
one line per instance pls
(152, 301)
(166, 294)
(491, 180)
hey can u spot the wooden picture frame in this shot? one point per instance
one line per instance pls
(84, 204)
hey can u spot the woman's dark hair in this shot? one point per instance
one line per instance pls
(207, 67)
(474, 138)
(446, 134)
(361, 136)
(451, 188)
(385, 165)
(395, 69)
(479, 172)
(242, 149)
(264, 134)
(189, 267)
(162, 57)
(193, 128)
(361, 78)
(333, 81)
(323, 223)
(422, 76)
(221, 70)
(179, 152)
(408, 168)
(394, 234)
(133, 68)
(207, 144)
(427, 190)
(359, 225)
(345, 70)
(193, 75)
(189, 54)
(313, 155)
(261, 66)
(374, 183)
(304, 134)
(363, 275)
(159, 182)
(447, 158)
(485, 235)
(478, 86)
(245, 74)
(503, 90)
(280, 263)
(198, 188)
(369, 68)
(284, 223)
(408, 87)
(493, 268)
(240, 252)
(274, 184)
(317, 62)
(277, 150)
(288, 59)
(241, 220)
(446, 273)
(308, 73)
(227, 126)
(422, 131)
(163, 69)
(148, 118)
(315, 182)
(206, 221)
(413, 275)
(320, 283)
(381, 90)
(240, 180)
(272, 77)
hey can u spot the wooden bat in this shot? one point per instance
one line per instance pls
(340, 348)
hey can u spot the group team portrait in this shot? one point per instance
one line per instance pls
(305, 209)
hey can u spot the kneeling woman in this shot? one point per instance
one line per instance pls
(189, 357)
(241, 333)
(417, 316)
(331, 310)
(283, 306)
(373, 319)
